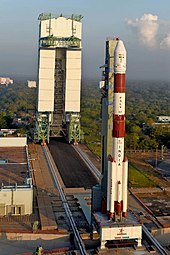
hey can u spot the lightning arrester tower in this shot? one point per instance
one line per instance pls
(59, 78)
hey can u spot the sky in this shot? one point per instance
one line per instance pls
(143, 25)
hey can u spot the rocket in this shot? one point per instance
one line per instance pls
(117, 163)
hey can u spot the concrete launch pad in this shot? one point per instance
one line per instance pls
(128, 230)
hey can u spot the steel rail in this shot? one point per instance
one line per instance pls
(87, 161)
(154, 241)
(64, 201)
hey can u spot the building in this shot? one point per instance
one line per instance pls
(59, 78)
(16, 190)
(31, 84)
(163, 119)
(6, 81)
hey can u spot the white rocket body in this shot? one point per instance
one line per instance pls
(118, 164)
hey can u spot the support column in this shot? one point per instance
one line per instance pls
(102, 245)
(139, 242)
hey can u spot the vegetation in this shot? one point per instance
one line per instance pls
(138, 179)
(90, 116)
(17, 107)
(144, 102)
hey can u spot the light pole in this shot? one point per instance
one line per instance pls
(156, 157)
(162, 152)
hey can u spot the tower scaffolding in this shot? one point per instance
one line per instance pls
(59, 77)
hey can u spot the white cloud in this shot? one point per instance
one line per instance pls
(146, 28)
(165, 43)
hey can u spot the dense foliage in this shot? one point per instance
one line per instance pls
(90, 116)
(144, 102)
(17, 106)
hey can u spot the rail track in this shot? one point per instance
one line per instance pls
(78, 239)
(90, 165)
(153, 240)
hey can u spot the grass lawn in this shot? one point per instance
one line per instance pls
(136, 178)
(93, 143)
(139, 180)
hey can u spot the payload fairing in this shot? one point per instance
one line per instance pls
(118, 163)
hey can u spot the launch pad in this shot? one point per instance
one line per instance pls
(128, 231)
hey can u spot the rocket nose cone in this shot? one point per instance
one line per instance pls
(120, 58)
(120, 46)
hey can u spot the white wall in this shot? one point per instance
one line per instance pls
(46, 80)
(121, 232)
(13, 141)
(73, 81)
(21, 196)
